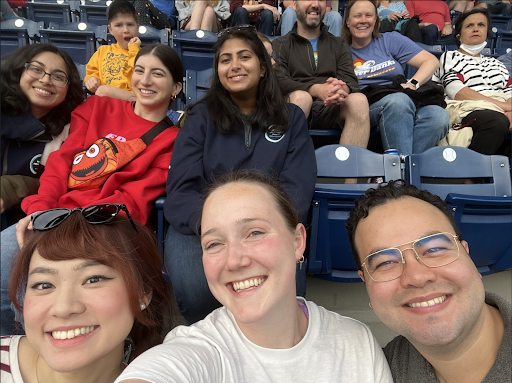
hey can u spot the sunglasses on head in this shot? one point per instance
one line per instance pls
(95, 215)
(242, 27)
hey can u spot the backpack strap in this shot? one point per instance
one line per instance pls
(156, 130)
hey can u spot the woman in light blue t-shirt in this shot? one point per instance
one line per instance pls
(377, 59)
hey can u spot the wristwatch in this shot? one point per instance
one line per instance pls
(414, 82)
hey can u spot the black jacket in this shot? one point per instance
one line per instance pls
(295, 63)
(23, 141)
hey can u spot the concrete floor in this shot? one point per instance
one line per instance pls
(351, 300)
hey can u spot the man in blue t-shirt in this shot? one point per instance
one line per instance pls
(315, 72)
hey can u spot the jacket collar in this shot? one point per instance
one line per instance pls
(27, 127)
(323, 30)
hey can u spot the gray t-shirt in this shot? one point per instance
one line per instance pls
(408, 365)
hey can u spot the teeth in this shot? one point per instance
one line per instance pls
(244, 285)
(42, 91)
(146, 91)
(72, 333)
(431, 302)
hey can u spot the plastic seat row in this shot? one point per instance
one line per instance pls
(476, 188)
(482, 210)
(65, 11)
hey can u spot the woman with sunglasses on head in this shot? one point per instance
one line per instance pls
(97, 124)
(40, 87)
(90, 286)
(251, 240)
(241, 123)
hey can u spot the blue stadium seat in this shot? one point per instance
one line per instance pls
(147, 35)
(16, 33)
(49, 12)
(94, 12)
(79, 44)
(436, 50)
(482, 210)
(161, 229)
(195, 48)
(501, 22)
(100, 31)
(196, 85)
(503, 42)
(330, 256)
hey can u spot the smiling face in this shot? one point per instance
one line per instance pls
(458, 284)
(76, 313)
(249, 253)
(474, 29)
(124, 28)
(239, 69)
(152, 83)
(310, 13)
(361, 22)
(43, 96)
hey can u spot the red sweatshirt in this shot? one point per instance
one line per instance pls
(136, 185)
(433, 11)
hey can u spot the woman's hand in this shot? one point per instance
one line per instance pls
(395, 16)
(406, 15)
(24, 229)
(447, 30)
(408, 85)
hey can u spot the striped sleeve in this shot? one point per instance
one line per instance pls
(482, 74)
(9, 373)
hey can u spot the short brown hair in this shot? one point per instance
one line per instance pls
(345, 32)
(115, 244)
(266, 181)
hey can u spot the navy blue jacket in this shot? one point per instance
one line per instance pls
(23, 141)
(201, 152)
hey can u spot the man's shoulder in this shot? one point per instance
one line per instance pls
(406, 363)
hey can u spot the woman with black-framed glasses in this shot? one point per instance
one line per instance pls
(92, 294)
(241, 123)
(40, 87)
(106, 132)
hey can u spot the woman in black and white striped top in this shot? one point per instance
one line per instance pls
(466, 75)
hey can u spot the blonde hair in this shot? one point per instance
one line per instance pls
(213, 3)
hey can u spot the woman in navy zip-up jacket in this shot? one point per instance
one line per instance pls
(241, 123)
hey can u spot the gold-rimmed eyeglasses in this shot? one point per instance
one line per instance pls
(38, 73)
(434, 250)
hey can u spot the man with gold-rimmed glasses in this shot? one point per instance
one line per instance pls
(423, 285)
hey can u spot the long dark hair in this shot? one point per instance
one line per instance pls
(270, 106)
(14, 101)
(168, 57)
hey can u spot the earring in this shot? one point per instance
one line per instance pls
(174, 98)
(370, 304)
(301, 261)
(142, 306)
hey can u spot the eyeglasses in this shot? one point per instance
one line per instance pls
(38, 73)
(95, 214)
(435, 250)
(241, 27)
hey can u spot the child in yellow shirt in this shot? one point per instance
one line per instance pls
(110, 69)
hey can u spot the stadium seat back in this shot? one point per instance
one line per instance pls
(95, 13)
(16, 33)
(79, 44)
(330, 256)
(477, 189)
(197, 84)
(49, 12)
(195, 48)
